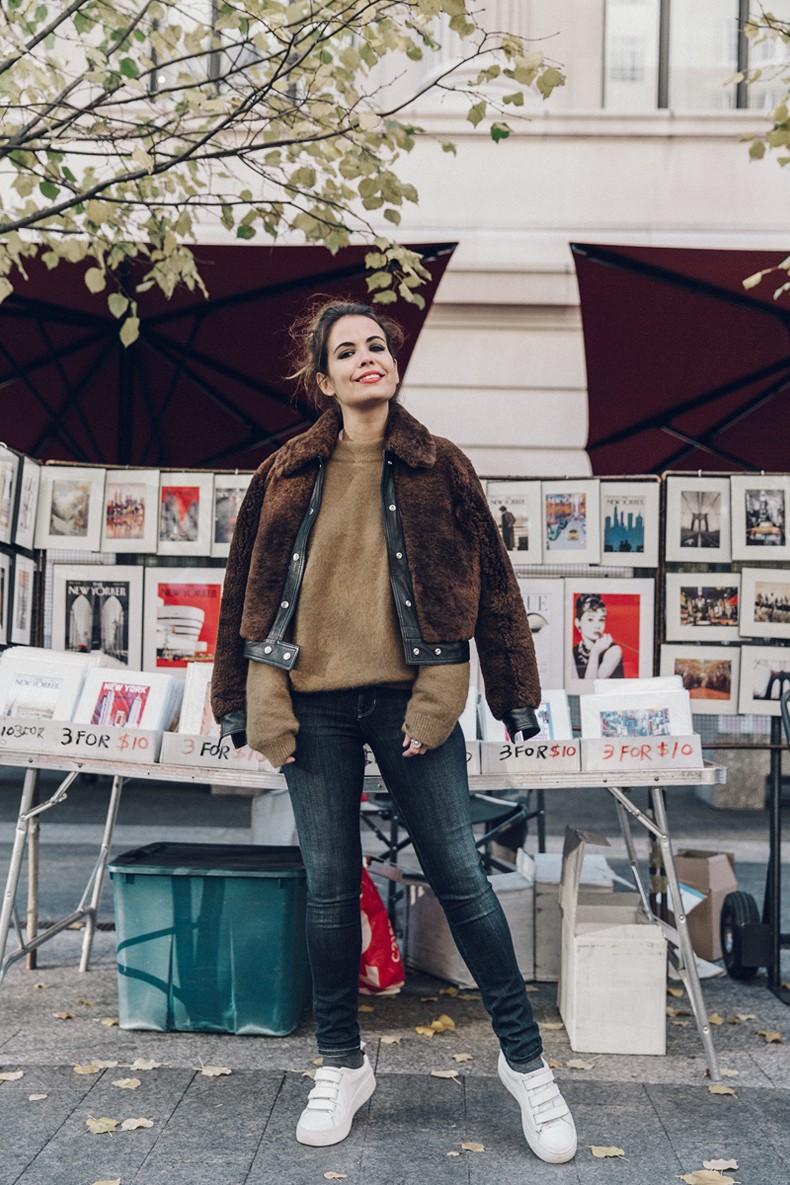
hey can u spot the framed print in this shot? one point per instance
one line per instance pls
(196, 717)
(5, 596)
(765, 674)
(180, 617)
(515, 506)
(43, 689)
(29, 477)
(760, 505)
(9, 468)
(544, 601)
(702, 606)
(698, 519)
(98, 607)
(229, 491)
(131, 507)
(608, 631)
(765, 603)
(70, 506)
(709, 673)
(22, 600)
(646, 714)
(185, 514)
(554, 715)
(629, 523)
(571, 530)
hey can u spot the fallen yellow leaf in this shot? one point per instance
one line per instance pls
(40, 987)
(445, 1074)
(87, 1068)
(715, 1019)
(333, 1176)
(552, 1025)
(452, 1153)
(772, 1037)
(531, 987)
(425, 1031)
(553, 1064)
(463, 1057)
(214, 1071)
(428, 999)
(366, 1008)
(63, 1015)
(100, 1126)
(318, 1061)
(11, 1075)
(471, 1146)
(719, 1165)
(677, 1011)
(109, 1181)
(131, 1125)
(602, 1151)
(681, 1024)
(707, 1177)
(576, 1063)
(127, 1083)
(443, 1023)
(35, 1098)
(725, 1073)
(448, 991)
(677, 992)
(469, 996)
(716, 1088)
(308, 1073)
(145, 1063)
(390, 1040)
(746, 1015)
(109, 1021)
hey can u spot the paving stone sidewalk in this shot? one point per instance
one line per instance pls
(237, 1128)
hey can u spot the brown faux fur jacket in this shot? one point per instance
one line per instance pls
(463, 581)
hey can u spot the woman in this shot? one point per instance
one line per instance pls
(596, 654)
(364, 559)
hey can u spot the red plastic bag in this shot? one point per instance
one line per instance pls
(381, 965)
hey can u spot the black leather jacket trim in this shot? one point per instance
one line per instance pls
(522, 720)
(417, 652)
(234, 725)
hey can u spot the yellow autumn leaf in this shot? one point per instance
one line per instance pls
(603, 1151)
(214, 1071)
(108, 1181)
(725, 1073)
(746, 1015)
(63, 1015)
(715, 1019)
(718, 1165)
(553, 1064)
(390, 1040)
(144, 1063)
(366, 1008)
(772, 1037)
(127, 1083)
(428, 999)
(677, 992)
(452, 1153)
(681, 1024)
(531, 987)
(87, 1068)
(716, 1088)
(443, 1023)
(425, 1031)
(109, 1021)
(84, 1003)
(577, 1063)
(333, 1176)
(707, 1177)
(35, 1098)
(463, 1057)
(677, 1011)
(131, 1125)
(448, 991)
(318, 1061)
(468, 996)
(445, 1074)
(552, 1025)
(11, 1075)
(472, 1146)
(308, 1073)
(40, 987)
(100, 1126)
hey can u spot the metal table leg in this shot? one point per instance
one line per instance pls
(17, 852)
(96, 880)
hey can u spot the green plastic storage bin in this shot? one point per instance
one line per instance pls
(210, 938)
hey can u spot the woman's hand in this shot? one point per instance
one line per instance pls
(412, 747)
(601, 644)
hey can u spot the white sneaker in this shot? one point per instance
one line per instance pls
(333, 1102)
(547, 1122)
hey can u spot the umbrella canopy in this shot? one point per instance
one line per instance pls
(686, 369)
(205, 384)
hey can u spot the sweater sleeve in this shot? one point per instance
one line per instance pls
(438, 698)
(230, 666)
(271, 723)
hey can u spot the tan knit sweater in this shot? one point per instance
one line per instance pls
(345, 623)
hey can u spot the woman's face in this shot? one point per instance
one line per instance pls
(361, 372)
(592, 624)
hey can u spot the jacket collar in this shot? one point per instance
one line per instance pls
(404, 436)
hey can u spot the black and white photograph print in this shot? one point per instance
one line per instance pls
(702, 606)
(98, 607)
(710, 675)
(229, 491)
(629, 523)
(131, 505)
(760, 505)
(515, 506)
(765, 675)
(70, 506)
(29, 479)
(765, 603)
(698, 519)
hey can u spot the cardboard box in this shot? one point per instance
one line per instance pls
(713, 873)
(612, 989)
(596, 877)
(429, 943)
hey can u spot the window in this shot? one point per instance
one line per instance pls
(680, 53)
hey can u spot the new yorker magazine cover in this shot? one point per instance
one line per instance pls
(98, 607)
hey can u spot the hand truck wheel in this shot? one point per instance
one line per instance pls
(738, 911)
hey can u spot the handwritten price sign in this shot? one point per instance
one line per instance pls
(210, 753)
(644, 753)
(536, 756)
